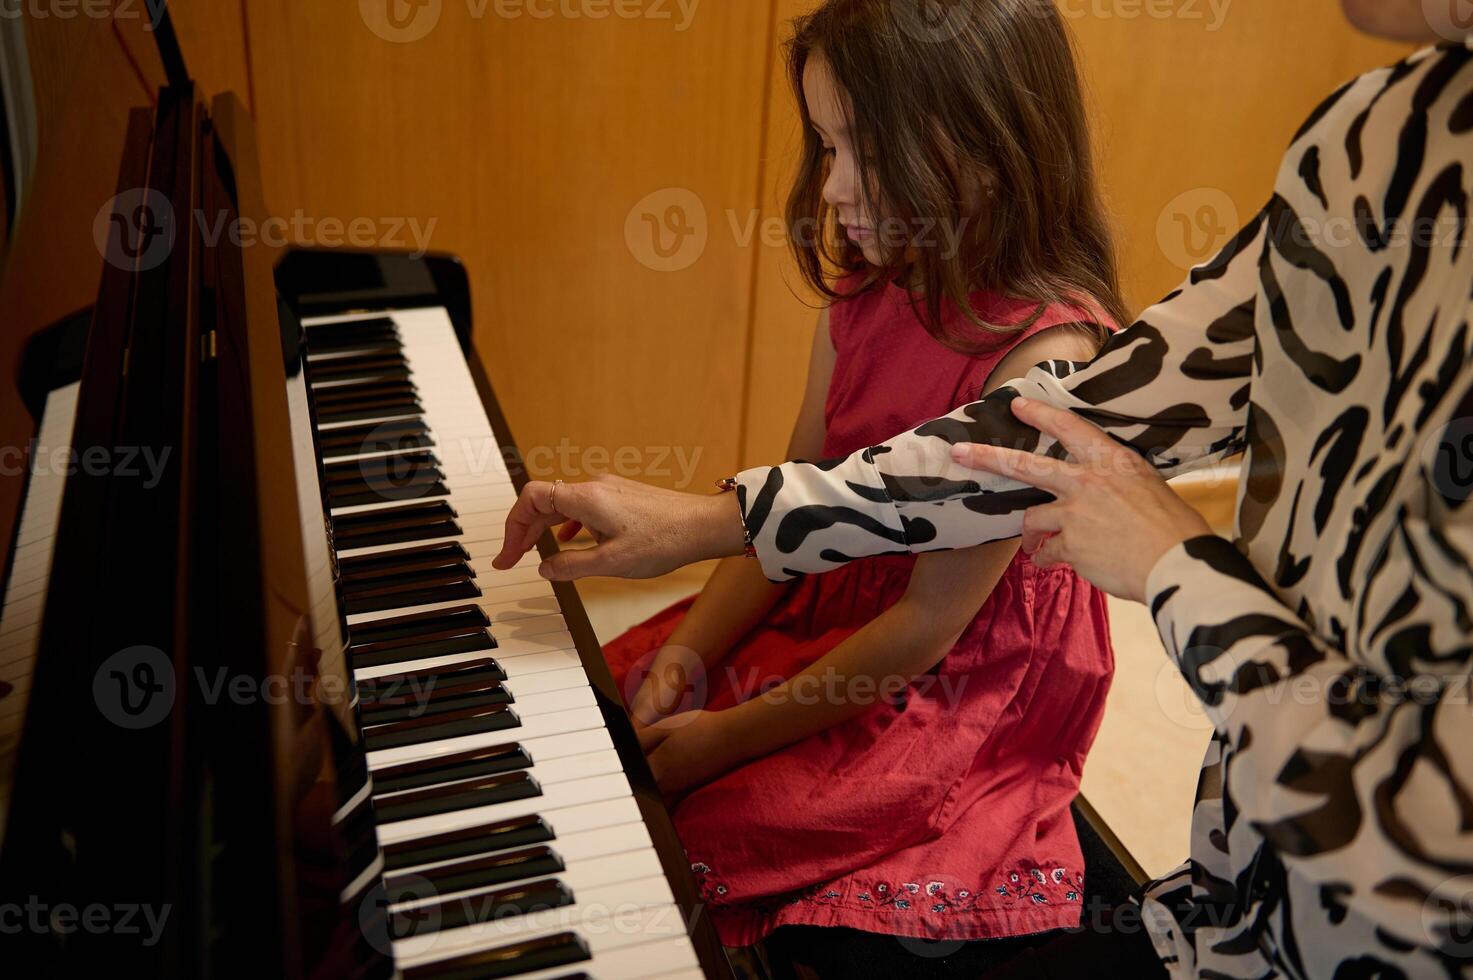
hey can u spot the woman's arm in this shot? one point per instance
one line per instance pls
(737, 596)
(1174, 386)
(1353, 769)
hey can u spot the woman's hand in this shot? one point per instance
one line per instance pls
(1114, 517)
(641, 531)
(689, 750)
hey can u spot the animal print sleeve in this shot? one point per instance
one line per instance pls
(1174, 385)
(1364, 758)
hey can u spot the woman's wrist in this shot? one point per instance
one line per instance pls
(719, 529)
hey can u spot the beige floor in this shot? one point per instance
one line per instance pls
(1142, 773)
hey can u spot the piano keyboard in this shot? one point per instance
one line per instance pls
(25, 594)
(511, 842)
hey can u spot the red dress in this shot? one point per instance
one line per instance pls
(943, 815)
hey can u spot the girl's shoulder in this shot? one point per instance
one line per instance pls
(1029, 321)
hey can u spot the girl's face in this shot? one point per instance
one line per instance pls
(826, 103)
(1411, 20)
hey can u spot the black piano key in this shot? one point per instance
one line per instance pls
(402, 561)
(499, 836)
(562, 949)
(537, 896)
(398, 464)
(415, 592)
(421, 486)
(363, 391)
(431, 703)
(483, 791)
(365, 400)
(380, 340)
(395, 435)
(395, 525)
(359, 367)
(484, 872)
(370, 408)
(429, 635)
(447, 768)
(381, 343)
(413, 625)
(397, 689)
(322, 336)
(471, 721)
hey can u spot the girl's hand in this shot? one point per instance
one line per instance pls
(641, 531)
(1114, 516)
(675, 683)
(689, 750)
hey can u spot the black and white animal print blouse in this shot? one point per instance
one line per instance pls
(1331, 641)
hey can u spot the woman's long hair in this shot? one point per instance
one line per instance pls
(982, 101)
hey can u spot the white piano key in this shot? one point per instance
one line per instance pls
(525, 666)
(554, 702)
(509, 598)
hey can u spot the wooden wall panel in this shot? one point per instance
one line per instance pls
(1191, 117)
(524, 144)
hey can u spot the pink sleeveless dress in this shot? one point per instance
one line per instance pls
(942, 815)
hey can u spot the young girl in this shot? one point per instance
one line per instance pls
(893, 747)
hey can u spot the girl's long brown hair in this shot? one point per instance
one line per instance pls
(985, 92)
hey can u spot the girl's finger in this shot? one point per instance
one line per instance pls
(1084, 440)
(569, 531)
(1030, 468)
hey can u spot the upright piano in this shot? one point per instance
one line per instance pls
(265, 709)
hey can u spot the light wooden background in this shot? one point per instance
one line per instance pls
(530, 146)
